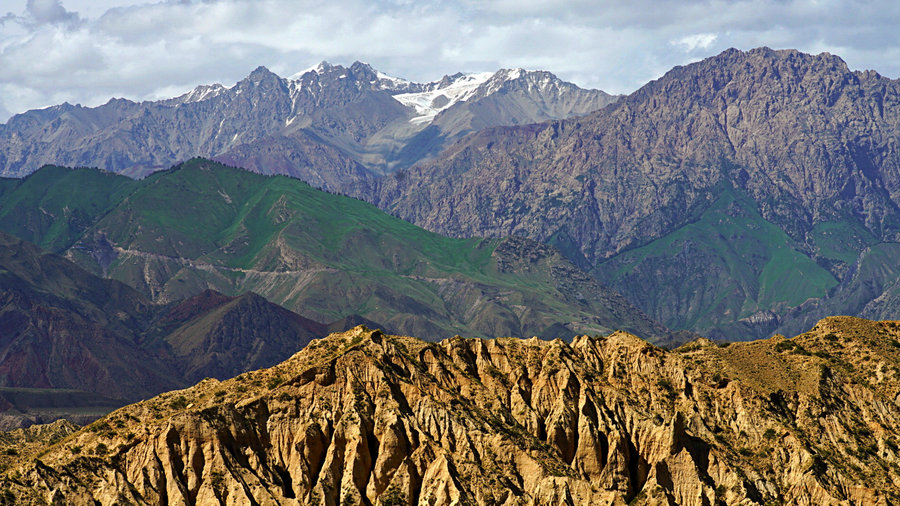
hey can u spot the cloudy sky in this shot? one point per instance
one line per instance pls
(86, 51)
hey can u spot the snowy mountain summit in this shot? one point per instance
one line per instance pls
(441, 95)
(431, 98)
(333, 126)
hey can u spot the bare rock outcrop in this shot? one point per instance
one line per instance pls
(366, 418)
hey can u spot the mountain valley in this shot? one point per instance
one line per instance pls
(76, 345)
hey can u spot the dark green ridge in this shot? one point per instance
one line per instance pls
(203, 225)
(203, 206)
(53, 206)
(757, 265)
(7, 184)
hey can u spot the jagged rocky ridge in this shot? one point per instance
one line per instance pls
(728, 173)
(369, 418)
(332, 126)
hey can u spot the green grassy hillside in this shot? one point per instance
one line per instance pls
(203, 225)
(727, 265)
(67, 201)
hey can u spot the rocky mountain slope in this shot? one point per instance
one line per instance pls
(213, 335)
(327, 257)
(729, 172)
(332, 126)
(76, 345)
(65, 328)
(369, 418)
(31, 439)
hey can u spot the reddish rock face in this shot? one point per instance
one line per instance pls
(62, 328)
(796, 131)
(800, 138)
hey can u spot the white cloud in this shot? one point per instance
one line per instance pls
(49, 12)
(85, 51)
(35, 13)
(697, 41)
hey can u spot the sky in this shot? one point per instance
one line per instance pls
(87, 51)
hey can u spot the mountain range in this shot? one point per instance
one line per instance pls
(749, 193)
(335, 127)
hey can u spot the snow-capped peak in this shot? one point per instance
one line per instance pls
(319, 68)
(440, 95)
(391, 83)
(429, 99)
(511, 74)
(201, 93)
(437, 98)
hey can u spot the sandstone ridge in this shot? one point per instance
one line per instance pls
(366, 418)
